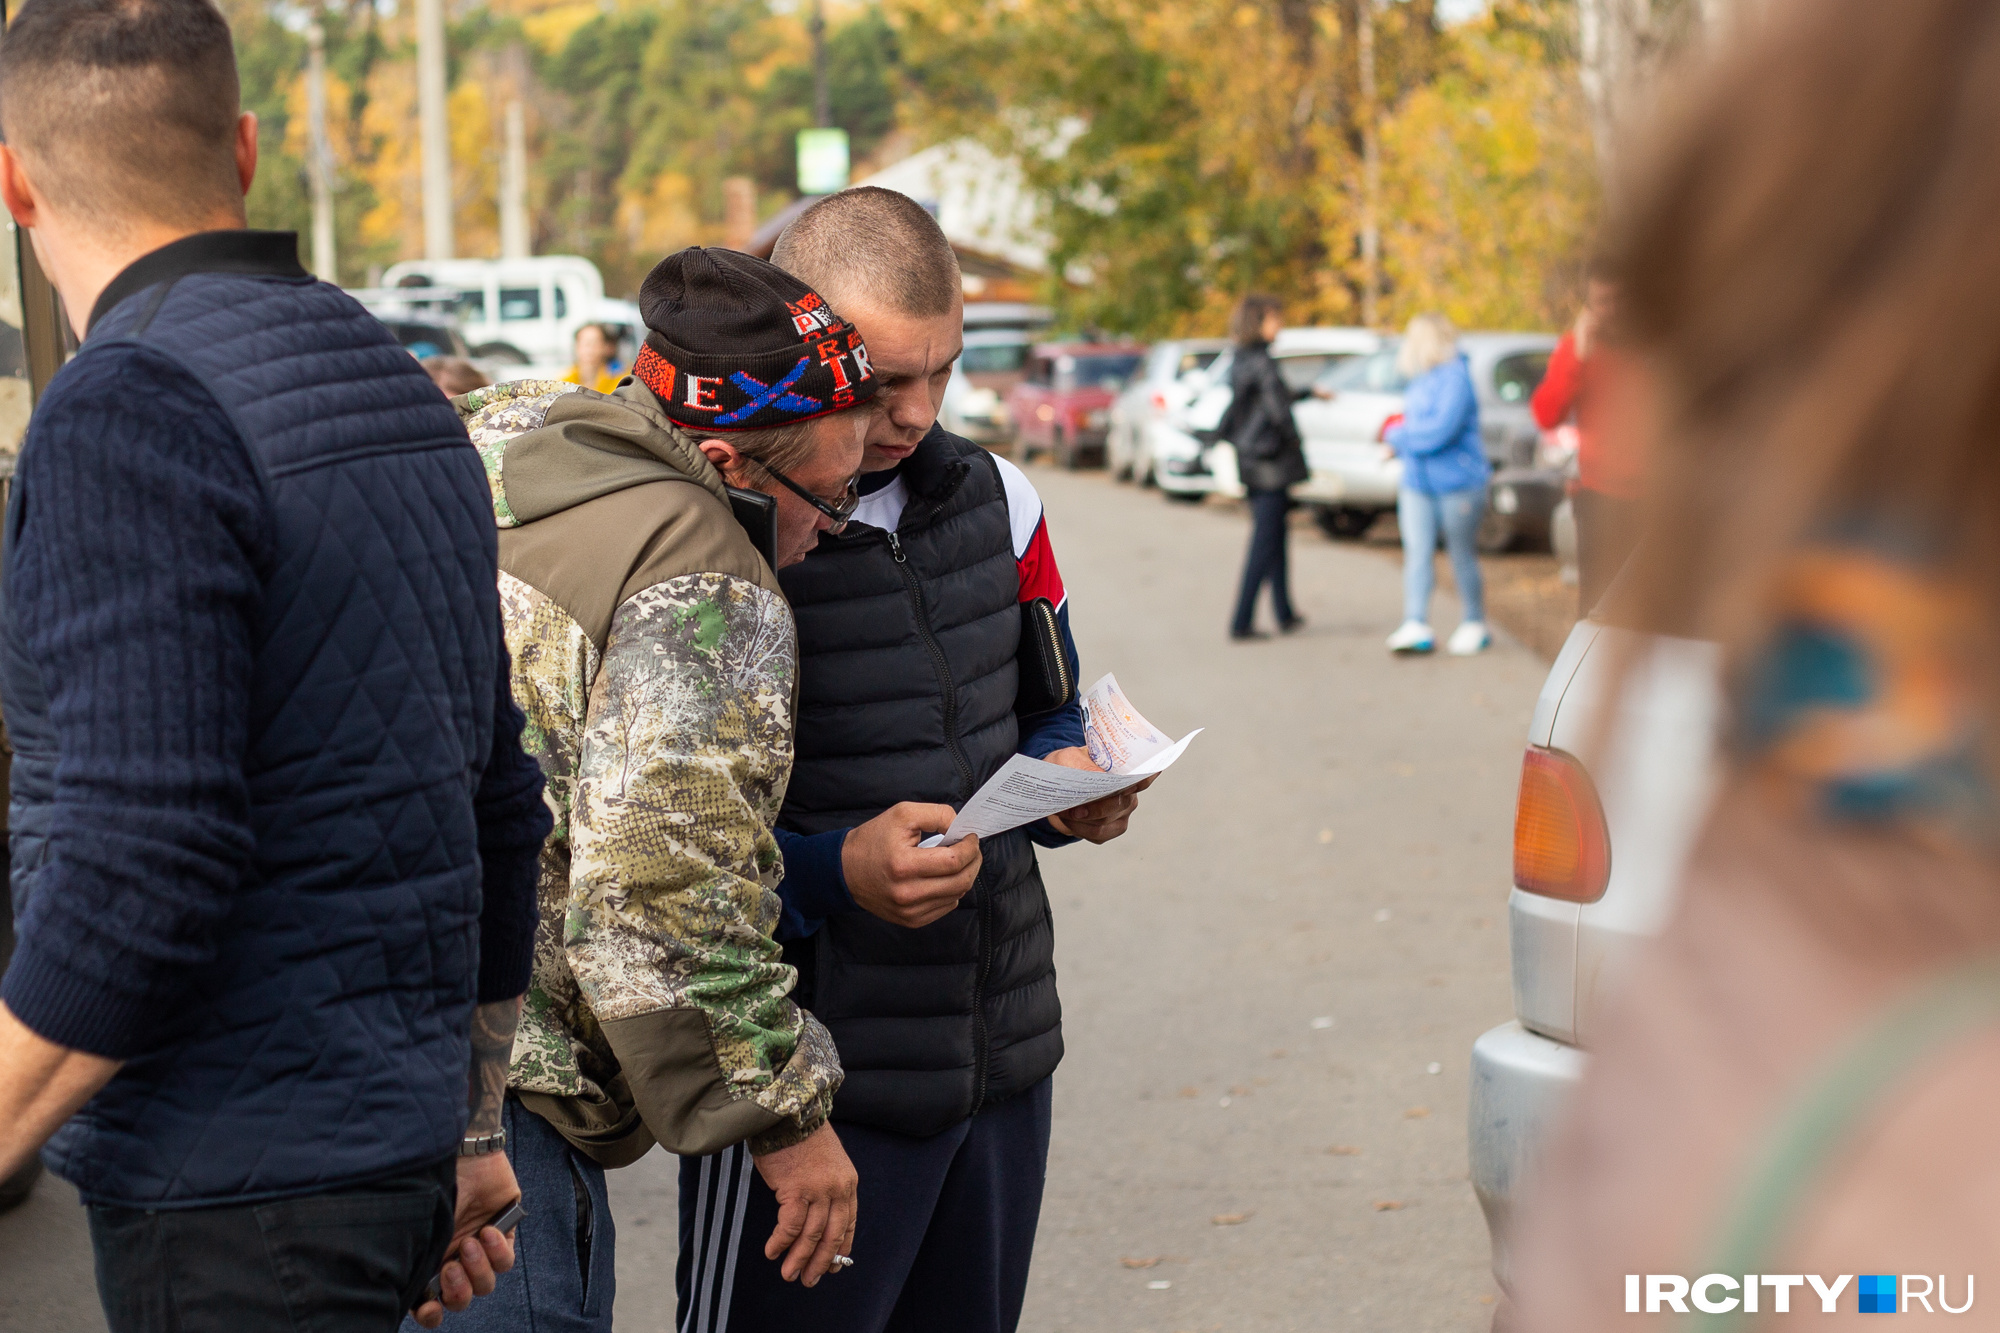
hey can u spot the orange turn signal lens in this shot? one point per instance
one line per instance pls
(1561, 847)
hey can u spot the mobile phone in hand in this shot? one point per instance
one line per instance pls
(505, 1221)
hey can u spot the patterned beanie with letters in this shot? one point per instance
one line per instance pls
(734, 343)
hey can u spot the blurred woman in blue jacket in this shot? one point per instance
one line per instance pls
(1444, 484)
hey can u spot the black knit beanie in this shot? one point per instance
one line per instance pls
(734, 343)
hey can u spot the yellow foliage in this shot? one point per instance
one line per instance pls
(477, 130)
(389, 122)
(664, 218)
(552, 28)
(1489, 191)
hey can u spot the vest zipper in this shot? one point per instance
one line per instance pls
(981, 1038)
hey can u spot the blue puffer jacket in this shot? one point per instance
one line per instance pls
(1438, 439)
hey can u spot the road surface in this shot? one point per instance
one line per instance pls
(1308, 917)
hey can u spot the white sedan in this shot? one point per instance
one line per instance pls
(1183, 466)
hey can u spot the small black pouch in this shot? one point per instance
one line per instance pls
(1046, 680)
(758, 513)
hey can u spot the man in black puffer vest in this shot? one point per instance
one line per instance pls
(932, 968)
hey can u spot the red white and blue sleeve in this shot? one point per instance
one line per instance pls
(1035, 558)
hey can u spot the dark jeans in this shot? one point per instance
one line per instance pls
(1266, 562)
(563, 1279)
(942, 1243)
(348, 1261)
(1606, 531)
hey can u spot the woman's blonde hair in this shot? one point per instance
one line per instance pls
(1428, 343)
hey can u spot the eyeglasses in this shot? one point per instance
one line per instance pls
(840, 514)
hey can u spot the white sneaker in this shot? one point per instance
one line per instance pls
(1412, 636)
(1469, 639)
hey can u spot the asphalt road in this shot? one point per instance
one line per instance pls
(1308, 916)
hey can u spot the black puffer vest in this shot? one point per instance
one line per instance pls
(906, 693)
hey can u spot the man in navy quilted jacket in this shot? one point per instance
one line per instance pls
(274, 837)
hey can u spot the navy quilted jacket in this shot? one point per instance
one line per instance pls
(273, 831)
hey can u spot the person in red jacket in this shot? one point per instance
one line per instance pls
(1606, 495)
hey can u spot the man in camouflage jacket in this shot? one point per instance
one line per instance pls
(656, 661)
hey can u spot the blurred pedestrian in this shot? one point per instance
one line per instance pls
(596, 365)
(1270, 459)
(1798, 1075)
(1443, 487)
(659, 670)
(273, 833)
(1605, 498)
(454, 374)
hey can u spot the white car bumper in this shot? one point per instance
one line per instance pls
(1350, 475)
(1178, 465)
(1519, 1082)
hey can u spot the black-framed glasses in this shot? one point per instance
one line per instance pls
(841, 514)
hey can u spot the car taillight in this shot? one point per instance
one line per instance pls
(1393, 419)
(1159, 401)
(1561, 847)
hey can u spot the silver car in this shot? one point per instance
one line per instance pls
(1598, 849)
(1167, 381)
(1352, 482)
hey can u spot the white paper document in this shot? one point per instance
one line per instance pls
(1024, 790)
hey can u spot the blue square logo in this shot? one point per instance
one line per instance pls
(1878, 1293)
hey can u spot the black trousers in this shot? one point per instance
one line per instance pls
(1266, 561)
(1606, 531)
(350, 1261)
(941, 1245)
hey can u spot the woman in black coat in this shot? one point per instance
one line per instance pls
(1269, 458)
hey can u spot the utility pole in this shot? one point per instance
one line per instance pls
(514, 186)
(822, 101)
(319, 158)
(435, 131)
(1371, 167)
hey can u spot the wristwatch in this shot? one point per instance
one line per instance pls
(478, 1145)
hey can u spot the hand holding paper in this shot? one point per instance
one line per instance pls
(1024, 790)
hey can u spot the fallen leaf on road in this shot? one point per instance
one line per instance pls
(1343, 1150)
(1389, 1205)
(1416, 1113)
(1141, 1263)
(1486, 1300)
(1230, 1219)
(1238, 1090)
(1190, 1091)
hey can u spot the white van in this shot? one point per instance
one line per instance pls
(522, 311)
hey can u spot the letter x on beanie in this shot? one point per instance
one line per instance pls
(734, 343)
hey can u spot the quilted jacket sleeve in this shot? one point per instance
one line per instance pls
(513, 821)
(686, 752)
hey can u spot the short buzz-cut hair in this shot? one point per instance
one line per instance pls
(868, 244)
(125, 109)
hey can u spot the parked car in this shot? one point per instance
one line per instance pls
(1063, 402)
(1186, 468)
(1165, 382)
(975, 398)
(524, 312)
(1352, 482)
(1598, 850)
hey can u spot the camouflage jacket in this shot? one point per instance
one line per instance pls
(656, 661)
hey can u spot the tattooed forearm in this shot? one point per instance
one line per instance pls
(492, 1046)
